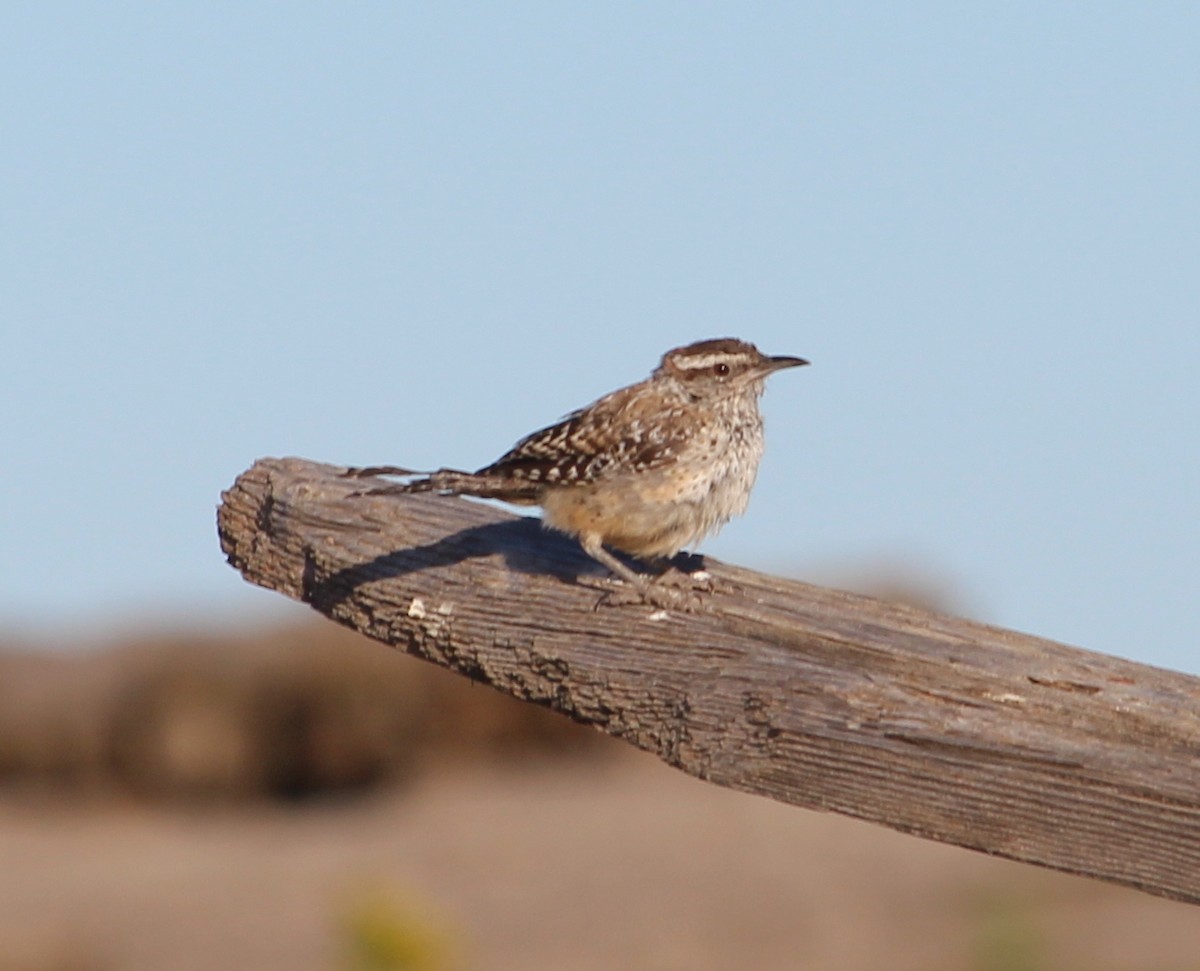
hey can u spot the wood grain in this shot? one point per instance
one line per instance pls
(930, 724)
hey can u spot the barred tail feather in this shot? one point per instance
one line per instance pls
(483, 485)
(453, 482)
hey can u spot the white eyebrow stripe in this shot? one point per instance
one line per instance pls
(708, 360)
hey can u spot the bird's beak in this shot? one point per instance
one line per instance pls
(779, 363)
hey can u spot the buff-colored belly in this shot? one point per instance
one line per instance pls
(647, 519)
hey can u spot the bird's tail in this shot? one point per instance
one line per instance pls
(451, 482)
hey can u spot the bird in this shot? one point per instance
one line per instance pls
(647, 470)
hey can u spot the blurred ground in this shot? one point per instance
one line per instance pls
(304, 799)
(285, 714)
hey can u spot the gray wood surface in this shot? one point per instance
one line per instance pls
(930, 724)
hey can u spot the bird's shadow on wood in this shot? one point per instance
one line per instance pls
(526, 546)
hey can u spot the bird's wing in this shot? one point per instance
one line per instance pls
(627, 431)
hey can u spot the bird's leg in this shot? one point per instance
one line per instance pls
(594, 548)
(648, 591)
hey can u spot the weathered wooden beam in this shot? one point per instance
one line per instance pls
(930, 724)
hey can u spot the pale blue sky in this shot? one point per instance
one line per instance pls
(412, 233)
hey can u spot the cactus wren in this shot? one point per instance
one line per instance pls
(647, 469)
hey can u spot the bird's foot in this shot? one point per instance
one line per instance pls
(699, 581)
(678, 593)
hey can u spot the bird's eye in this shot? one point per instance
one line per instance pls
(720, 370)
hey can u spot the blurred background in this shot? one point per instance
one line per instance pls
(413, 233)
